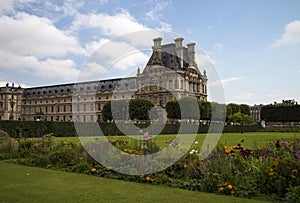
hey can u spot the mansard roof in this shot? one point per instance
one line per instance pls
(70, 88)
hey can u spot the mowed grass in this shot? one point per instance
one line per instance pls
(29, 184)
(251, 140)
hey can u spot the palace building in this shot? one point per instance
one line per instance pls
(171, 73)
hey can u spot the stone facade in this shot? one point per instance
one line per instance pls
(171, 73)
(255, 112)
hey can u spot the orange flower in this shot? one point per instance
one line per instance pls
(148, 178)
(93, 170)
(227, 147)
(229, 187)
(221, 189)
(227, 151)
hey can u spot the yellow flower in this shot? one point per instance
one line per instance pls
(49, 165)
(148, 178)
(65, 143)
(227, 147)
(271, 174)
(94, 170)
(227, 151)
(229, 187)
(184, 165)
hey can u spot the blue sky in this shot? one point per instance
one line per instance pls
(254, 45)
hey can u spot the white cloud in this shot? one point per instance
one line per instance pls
(70, 7)
(26, 34)
(218, 47)
(121, 55)
(131, 60)
(154, 12)
(91, 71)
(111, 25)
(93, 46)
(6, 6)
(242, 98)
(291, 35)
(165, 26)
(223, 81)
(48, 68)
(102, 2)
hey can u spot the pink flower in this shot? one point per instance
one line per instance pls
(140, 131)
(146, 135)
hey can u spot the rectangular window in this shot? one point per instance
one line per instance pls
(142, 86)
(181, 84)
(161, 100)
(170, 84)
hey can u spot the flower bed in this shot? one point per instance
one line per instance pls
(271, 173)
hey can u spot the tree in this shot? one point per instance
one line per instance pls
(106, 112)
(234, 108)
(245, 109)
(240, 118)
(189, 108)
(205, 110)
(139, 109)
(282, 113)
(173, 110)
(218, 111)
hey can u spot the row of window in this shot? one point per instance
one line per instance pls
(84, 118)
(64, 108)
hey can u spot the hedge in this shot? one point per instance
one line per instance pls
(282, 113)
(67, 129)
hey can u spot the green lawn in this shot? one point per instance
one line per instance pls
(252, 140)
(29, 184)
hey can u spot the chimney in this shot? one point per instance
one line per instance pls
(191, 53)
(157, 55)
(179, 50)
(157, 44)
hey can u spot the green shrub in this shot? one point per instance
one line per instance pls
(293, 195)
(282, 175)
(9, 146)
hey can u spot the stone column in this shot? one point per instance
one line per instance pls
(191, 53)
(179, 50)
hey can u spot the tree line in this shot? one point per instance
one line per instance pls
(280, 113)
(140, 109)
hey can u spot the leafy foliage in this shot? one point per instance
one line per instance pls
(284, 113)
(139, 109)
(173, 110)
(240, 118)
